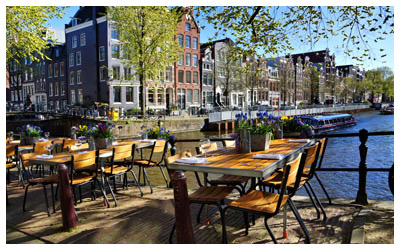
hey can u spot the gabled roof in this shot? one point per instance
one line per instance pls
(84, 14)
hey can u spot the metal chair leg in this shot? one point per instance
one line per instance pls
(162, 172)
(47, 202)
(224, 234)
(52, 198)
(313, 202)
(137, 182)
(111, 191)
(323, 189)
(198, 215)
(222, 221)
(26, 194)
(317, 200)
(172, 233)
(270, 231)
(299, 219)
(246, 222)
(147, 178)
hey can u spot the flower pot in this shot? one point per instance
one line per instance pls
(291, 135)
(29, 140)
(260, 142)
(103, 143)
(245, 141)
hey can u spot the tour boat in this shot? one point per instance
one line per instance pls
(387, 110)
(329, 121)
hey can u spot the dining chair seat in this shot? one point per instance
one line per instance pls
(146, 163)
(275, 180)
(46, 179)
(211, 194)
(259, 201)
(81, 178)
(227, 179)
(116, 170)
(10, 165)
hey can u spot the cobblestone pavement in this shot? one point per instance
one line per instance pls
(149, 219)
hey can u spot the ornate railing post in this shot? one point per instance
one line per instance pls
(362, 197)
(67, 205)
(183, 220)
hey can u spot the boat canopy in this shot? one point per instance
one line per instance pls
(326, 117)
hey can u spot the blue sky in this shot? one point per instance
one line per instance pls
(333, 44)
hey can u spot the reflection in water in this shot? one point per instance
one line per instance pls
(340, 153)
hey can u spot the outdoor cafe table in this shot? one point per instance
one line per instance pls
(228, 161)
(65, 158)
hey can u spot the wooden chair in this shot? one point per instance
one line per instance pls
(268, 204)
(79, 177)
(121, 164)
(46, 180)
(228, 143)
(323, 142)
(159, 146)
(212, 195)
(67, 143)
(227, 180)
(40, 147)
(12, 161)
(274, 181)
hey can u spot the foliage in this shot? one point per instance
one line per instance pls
(294, 124)
(271, 29)
(265, 123)
(252, 75)
(155, 133)
(147, 34)
(31, 130)
(25, 26)
(132, 111)
(83, 130)
(103, 130)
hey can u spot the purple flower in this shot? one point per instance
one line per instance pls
(234, 135)
(172, 137)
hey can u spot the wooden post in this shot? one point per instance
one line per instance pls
(219, 129)
(67, 205)
(233, 127)
(362, 197)
(226, 127)
(183, 220)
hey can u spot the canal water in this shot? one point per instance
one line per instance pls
(340, 153)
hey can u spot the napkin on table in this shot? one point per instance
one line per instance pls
(192, 160)
(267, 156)
(304, 140)
(44, 156)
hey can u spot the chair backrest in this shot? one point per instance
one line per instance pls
(26, 163)
(179, 156)
(83, 146)
(10, 150)
(210, 147)
(81, 161)
(68, 143)
(324, 143)
(122, 152)
(159, 146)
(40, 147)
(290, 171)
(228, 143)
(312, 154)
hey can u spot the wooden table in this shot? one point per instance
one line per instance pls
(227, 161)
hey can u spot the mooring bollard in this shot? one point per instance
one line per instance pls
(183, 220)
(67, 205)
(362, 197)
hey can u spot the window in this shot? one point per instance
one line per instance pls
(188, 77)
(180, 59)
(168, 75)
(74, 42)
(102, 53)
(210, 80)
(78, 77)
(62, 68)
(150, 94)
(80, 96)
(187, 26)
(188, 59)
(62, 88)
(114, 34)
(43, 68)
(204, 79)
(50, 70)
(71, 78)
(103, 73)
(187, 43)
(189, 96)
(83, 39)
(56, 69)
(160, 93)
(127, 73)
(72, 96)
(56, 89)
(181, 98)
(51, 89)
(116, 73)
(78, 58)
(195, 77)
(209, 97)
(115, 51)
(117, 93)
(194, 46)
(57, 52)
(71, 59)
(196, 96)
(129, 94)
(180, 40)
(195, 60)
(180, 76)
(74, 22)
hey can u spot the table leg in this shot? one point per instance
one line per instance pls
(207, 222)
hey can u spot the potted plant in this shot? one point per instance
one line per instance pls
(31, 134)
(103, 135)
(294, 127)
(262, 132)
(157, 133)
(243, 127)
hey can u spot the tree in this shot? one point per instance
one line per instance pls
(252, 75)
(374, 82)
(314, 82)
(286, 77)
(387, 84)
(148, 37)
(26, 34)
(270, 30)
